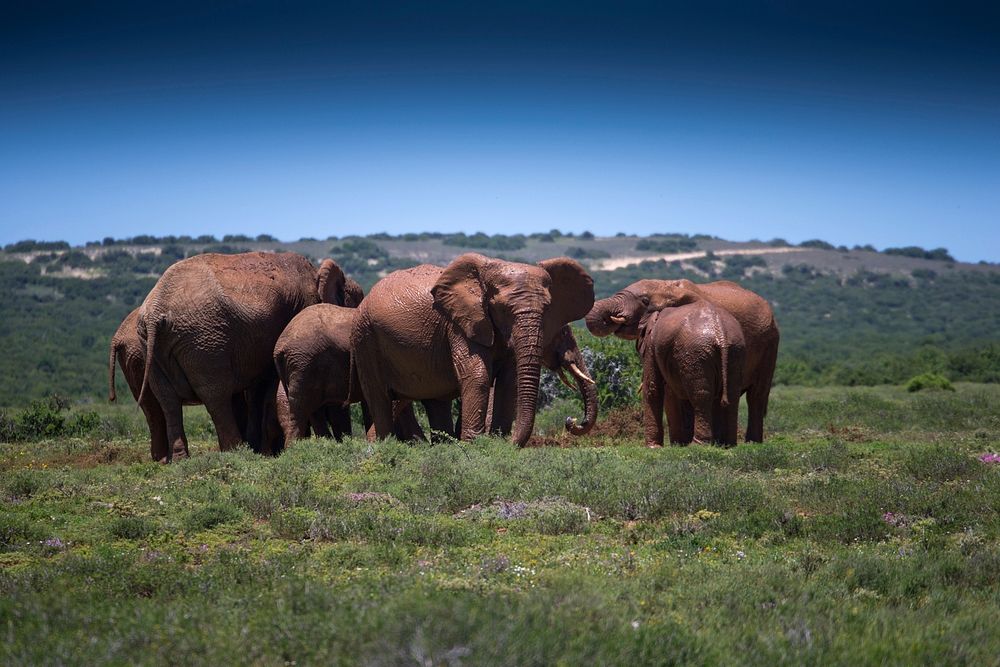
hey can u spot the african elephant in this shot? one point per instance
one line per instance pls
(692, 368)
(209, 326)
(130, 353)
(434, 332)
(621, 314)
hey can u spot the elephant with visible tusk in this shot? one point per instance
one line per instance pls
(434, 332)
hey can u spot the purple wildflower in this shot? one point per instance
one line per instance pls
(989, 457)
(54, 543)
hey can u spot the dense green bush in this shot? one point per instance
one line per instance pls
(929, 381)
(940, 254)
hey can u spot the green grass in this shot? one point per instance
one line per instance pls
(865, 531)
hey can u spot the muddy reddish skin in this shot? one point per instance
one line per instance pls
(622, 313)
(209, 326)
(449, 332)
(692, 368)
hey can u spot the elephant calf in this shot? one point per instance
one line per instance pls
(692, 367)
(313, 360)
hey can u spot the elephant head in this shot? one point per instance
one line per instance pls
(517, 307)
(562, 355)
(622, 314)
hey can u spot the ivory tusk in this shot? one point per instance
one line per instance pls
(580, 374)
(617, 319)
(564, 379)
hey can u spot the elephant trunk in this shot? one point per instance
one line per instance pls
(599, 321)
(588, 391)
(527, 341)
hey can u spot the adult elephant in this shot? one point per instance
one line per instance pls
(434, 332)
(209, 327)
(622, 313)
(129, 351)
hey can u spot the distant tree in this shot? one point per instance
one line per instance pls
(939, 254)
(577, 252)
(587, 236)
(236, 238)
(206, 238)
(108, 241)
(778, 243)
(265, 238)
(816, 243)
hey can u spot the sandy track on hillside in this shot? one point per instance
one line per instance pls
(621, 262)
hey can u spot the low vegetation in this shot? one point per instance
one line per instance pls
(864, 531)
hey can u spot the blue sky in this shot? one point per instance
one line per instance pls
(876, 124)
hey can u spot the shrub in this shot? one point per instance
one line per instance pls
(929, 381)
(212, 515)
(42, 419)
(666, 244)
(132, 527)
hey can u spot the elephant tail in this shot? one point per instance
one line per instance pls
(151, 329)
(281, 365)
(724, 401)
(352, 378)
(112, 395)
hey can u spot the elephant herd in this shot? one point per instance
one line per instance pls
(275, 348)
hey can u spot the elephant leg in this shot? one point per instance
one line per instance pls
(504, 401)
(728, 420)
(439, 419)
(173, 414)
(318, 422)
(292, 425)
(226, 428)
(474, 378)
(674, 408)
(157, 427)
(241, 411)
(366, 416)
(405, 424)
(759, 393)
(257, 410)
(339, 418)
(376, 392)
(652, 402)
(702, 402)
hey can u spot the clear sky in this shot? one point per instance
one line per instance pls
(854, 123)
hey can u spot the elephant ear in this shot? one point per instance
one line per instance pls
(572, 291)
(459, 295)
(330, 283)
(646, 325)
(353, 294)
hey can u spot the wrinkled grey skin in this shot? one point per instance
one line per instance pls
(692, 368)
(209, 327)
(622, 313)
(435, 332)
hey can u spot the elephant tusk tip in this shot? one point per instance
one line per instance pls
(580, 374)
(617, 319)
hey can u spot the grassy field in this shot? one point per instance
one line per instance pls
(865, 531)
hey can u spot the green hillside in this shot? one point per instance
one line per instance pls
(848, 316)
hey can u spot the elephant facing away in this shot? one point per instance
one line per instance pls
(130, 353)
(434, 332)
(692, 367)
(209, 327)
(622, 313)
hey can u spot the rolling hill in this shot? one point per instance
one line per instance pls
(848, 315)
